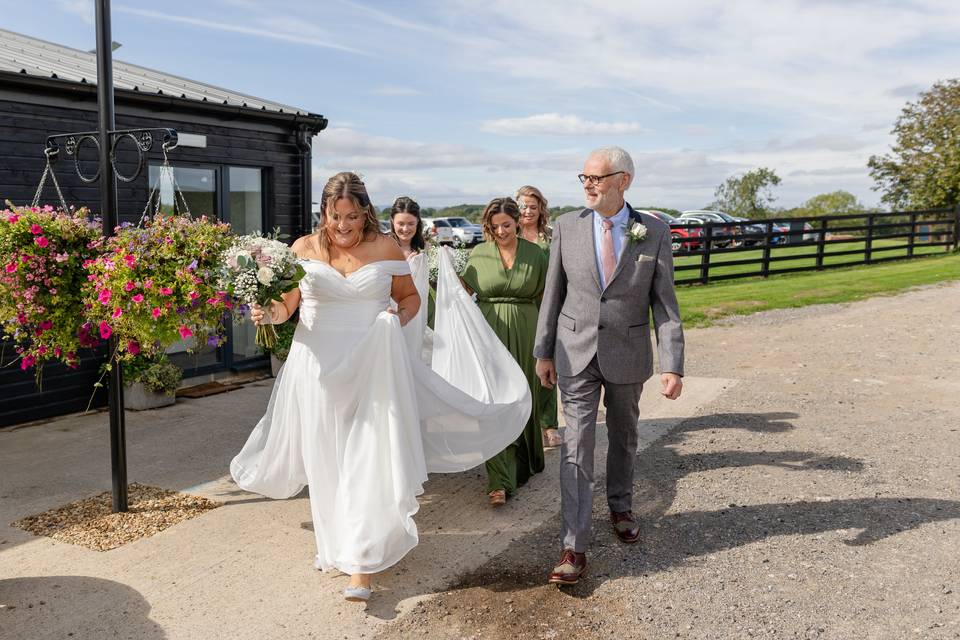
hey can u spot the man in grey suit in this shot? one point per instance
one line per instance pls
(610, 267)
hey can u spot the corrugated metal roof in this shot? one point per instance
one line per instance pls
(35, 57)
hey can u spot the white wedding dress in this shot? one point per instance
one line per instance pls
(361, 420)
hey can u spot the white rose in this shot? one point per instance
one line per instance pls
(265, 275)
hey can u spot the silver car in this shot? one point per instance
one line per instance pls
(438, 230)
(464, 231)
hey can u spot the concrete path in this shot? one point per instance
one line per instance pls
(243, 570)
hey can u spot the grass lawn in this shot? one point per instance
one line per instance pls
(799, 257)
(701, 305)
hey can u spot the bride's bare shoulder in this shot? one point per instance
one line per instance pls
(387, 248)
(303, 246)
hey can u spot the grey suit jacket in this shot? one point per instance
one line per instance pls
(579, 319)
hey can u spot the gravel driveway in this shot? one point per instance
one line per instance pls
(816, 498)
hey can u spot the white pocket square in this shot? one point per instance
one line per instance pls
(644, 258)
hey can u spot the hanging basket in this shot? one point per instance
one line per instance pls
(155, 283)
(41, 307)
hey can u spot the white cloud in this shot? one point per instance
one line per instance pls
(294, 31)
(555, 124)
(85, 10)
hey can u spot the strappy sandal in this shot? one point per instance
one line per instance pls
(498, 497)
(551, 438)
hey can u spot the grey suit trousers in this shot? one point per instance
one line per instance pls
(581, 401)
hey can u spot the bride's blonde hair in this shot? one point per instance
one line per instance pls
(345, 185)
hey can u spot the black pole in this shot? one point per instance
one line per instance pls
(108, 209)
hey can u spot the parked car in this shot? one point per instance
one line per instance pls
(385, 226)
(682, 232)
(464, 231)
(751, 229)
(724, 232)
(438, 230)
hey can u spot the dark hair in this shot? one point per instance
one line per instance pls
(403, 204)
(499, 205)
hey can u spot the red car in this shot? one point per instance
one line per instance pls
(684, 236)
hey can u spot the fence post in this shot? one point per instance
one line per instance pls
(956, 229)
(765, 266)
(705, 257)
(868, 248)
(913, 232)
(821, 242)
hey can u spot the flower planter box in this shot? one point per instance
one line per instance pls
(136, 398)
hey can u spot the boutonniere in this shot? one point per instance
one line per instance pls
(636, 233)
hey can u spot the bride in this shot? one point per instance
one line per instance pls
(355, 415)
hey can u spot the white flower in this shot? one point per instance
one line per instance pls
(265, 275)
(637, 232)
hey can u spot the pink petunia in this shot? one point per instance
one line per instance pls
(61, 257)
(11, 267)
(104, 296)
(130, 260)
(27, 361)
(46, 325)
(133, 348)
(105, 330)
(36, 229)
(138, 298)
(194, 295)
(129, 286)
(185, 332)
(57, 351)
(156, 312)
(41, 241)
(166, 291)
(117, 312)
(148, 284)
(41, 350)
(12, 218)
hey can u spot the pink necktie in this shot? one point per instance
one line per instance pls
(607, 256)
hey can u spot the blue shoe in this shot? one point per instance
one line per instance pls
(356, 594)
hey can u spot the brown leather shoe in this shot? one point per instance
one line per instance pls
(625, 526)
(570, 569)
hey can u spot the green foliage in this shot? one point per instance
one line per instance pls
(923, 169)
(156, 374)
(285, 331)
(836, 203)
(748, 195)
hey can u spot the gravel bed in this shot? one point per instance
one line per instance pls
(91, 523)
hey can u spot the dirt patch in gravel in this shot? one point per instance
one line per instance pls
(818, 498)
(91, 522)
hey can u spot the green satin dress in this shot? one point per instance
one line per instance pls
(508, 299)
(548, 397)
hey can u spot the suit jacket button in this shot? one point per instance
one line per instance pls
(603, 299)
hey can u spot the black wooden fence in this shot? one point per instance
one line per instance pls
(739, 250)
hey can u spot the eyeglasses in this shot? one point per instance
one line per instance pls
(584, 179)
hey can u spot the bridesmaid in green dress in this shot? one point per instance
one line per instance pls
(534, 215)
(507, 273)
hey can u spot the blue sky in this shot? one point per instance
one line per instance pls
(462, 101)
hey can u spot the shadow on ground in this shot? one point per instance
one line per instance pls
(76, 607)
(670, 539)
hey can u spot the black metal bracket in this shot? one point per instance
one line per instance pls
(143, 140)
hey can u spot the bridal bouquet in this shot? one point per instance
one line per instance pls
(260, 269)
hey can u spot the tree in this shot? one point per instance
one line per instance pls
(836, 203)
(923, 169)
(748, 195)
